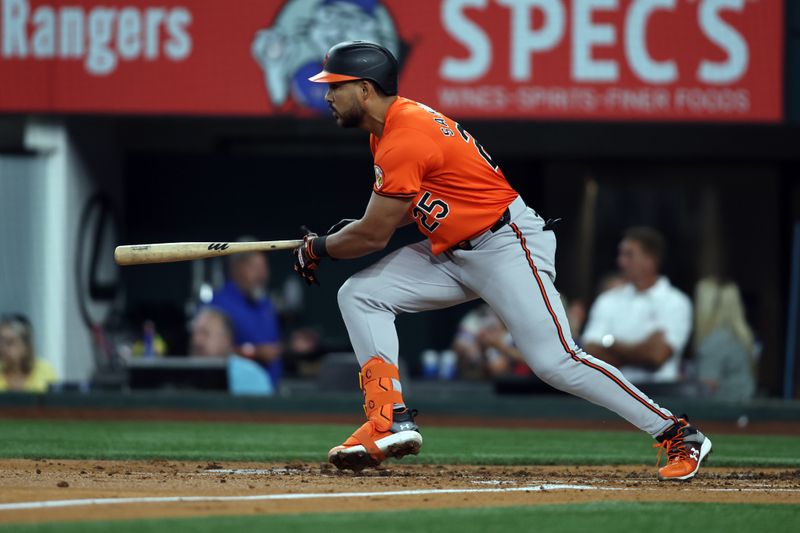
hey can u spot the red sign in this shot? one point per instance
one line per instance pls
(699, 60)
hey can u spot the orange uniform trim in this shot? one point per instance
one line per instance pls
(409, 196)
(329, 77)
(310, 250)
(563, 340)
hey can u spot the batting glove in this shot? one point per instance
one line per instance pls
(307, 257)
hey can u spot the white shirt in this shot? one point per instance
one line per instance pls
(631, 316)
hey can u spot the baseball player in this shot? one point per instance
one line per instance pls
(482, 241)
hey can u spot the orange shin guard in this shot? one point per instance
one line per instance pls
(375, 380)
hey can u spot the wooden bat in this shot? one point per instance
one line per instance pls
(168, 252)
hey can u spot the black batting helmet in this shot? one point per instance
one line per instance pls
(360, 60)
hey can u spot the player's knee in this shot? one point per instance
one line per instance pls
(549, 368)
(547, 372)
(351, 293)
(345, 295)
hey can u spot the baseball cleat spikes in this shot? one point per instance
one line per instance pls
(400, 450)
(355, 461)
(395, 445)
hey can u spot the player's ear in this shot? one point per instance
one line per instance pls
(365, 88)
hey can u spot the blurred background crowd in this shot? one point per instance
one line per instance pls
(637, 320)
(665, 135)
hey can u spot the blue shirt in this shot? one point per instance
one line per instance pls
(254, 322)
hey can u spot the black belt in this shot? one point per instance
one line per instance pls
(504, 219)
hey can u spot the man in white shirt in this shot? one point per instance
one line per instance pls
(641, 327)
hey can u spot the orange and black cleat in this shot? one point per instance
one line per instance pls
(686, 447)
(388, 432)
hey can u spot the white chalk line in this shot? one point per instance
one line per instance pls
(51, 504)
(17, 506)
(251, 471)
(753, 487)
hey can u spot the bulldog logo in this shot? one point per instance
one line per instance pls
(292, 49)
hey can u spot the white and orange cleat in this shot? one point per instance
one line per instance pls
(388, 432)
(686, 447)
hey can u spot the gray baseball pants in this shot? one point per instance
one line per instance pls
(513, 270)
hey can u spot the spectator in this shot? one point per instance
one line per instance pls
(484, 347)
(304, 352)
(576, 309)
(611, 280)
(20, 369)
(641, 327)
(724, 345)
(212, 336)
(576, 314)
(255, 322)
(151, 344)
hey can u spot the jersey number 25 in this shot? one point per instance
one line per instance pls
(429, 211)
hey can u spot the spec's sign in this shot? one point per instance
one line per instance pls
(717, 60)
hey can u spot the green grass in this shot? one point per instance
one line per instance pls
(598, 517)
(35, 439)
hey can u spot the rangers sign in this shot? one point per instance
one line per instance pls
(697, 60)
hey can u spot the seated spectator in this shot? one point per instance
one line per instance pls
(576, 314)
(151, 344)
(576, 308)
(212, 336)
(641, 327)
(611, 280)
(244, 299)
(724, 345)
(20, 369)
(484, 347)
(304, 352)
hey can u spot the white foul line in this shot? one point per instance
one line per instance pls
(51, 504)
(17, 506)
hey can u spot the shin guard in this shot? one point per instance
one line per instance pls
(375, 380)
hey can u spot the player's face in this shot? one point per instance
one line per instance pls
(344, 103)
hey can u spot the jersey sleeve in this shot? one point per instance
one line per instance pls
(402, 158)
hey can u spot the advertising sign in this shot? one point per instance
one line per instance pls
(656, 60)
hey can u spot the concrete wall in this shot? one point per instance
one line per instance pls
(42, 194)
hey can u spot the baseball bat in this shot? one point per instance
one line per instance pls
(168, 252)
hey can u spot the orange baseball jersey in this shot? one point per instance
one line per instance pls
(458, 190)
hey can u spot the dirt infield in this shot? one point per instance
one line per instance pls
(260, 488)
